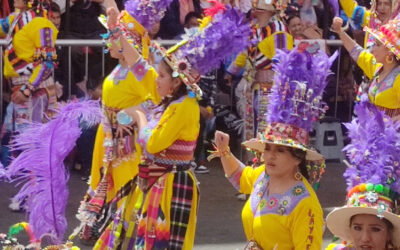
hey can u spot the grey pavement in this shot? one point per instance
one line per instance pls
(219, 218)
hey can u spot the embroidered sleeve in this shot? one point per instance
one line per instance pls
(4, 26)
(367, 62)
(234, 179)
(140, 69)
(355, 52)
(307, 226)
(44, 57)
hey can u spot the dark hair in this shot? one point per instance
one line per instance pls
(191, 15)
(301, 155)
(178, 93)
(94, 81)
(54, 7)
(290, 18)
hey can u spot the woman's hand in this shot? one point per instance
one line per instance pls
(112, 17)
(337, 25)
(124, 130)
(221, 140)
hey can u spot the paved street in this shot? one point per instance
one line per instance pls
(219, 223)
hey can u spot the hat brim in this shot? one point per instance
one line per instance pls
(338, 221)
(259, 145)
(379, 36)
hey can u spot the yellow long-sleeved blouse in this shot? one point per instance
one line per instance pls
(293, 220)
(30, 33)
(383, 93)
(123, 88)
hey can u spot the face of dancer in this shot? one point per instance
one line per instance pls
(367, 231)
(20, 4)
(295, 27)
(279, 161)
(384, 9)
(380, 52)
(166, 84)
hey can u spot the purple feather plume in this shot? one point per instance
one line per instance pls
(335, 6)
(299, 82)
(374, 151)
(147, 12)
(228, 34)
(39, 168)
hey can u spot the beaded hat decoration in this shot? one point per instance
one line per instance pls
(41, 6)
(389, 35)
(373, 172)
(224, 33)
(132, 30)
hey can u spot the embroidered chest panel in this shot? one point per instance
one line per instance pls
(261, 203)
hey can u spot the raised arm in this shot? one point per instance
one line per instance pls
(365, 60)
(229, 162)
(360, 15)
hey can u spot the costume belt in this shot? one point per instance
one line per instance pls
(116, 148)
(150, 171)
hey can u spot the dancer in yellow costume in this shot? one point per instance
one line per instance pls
(382, 65)
(29, 58)
(116, 154)
(380, 13)
(283, 211)
(168, 132)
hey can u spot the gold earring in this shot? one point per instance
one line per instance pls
(298, 176)
(389, 61)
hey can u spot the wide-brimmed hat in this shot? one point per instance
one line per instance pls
(338, 221)
(285, 135)
(373, 172)
(389, 35)
(295, 101)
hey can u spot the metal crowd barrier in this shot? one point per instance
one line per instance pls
(99, 43)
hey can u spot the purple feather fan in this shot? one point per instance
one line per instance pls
(374, 151)
(228, 34)
(39, 168)
(147, 12)
(296, 96)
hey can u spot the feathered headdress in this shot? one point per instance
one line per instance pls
(40, 166)
(147, 12)
(373, 170)
(295, 102)
(224, 34)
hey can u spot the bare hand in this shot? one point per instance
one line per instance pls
(337, 24)
(18, 98)
(123, 130)
(221, 140)
(112, 17)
